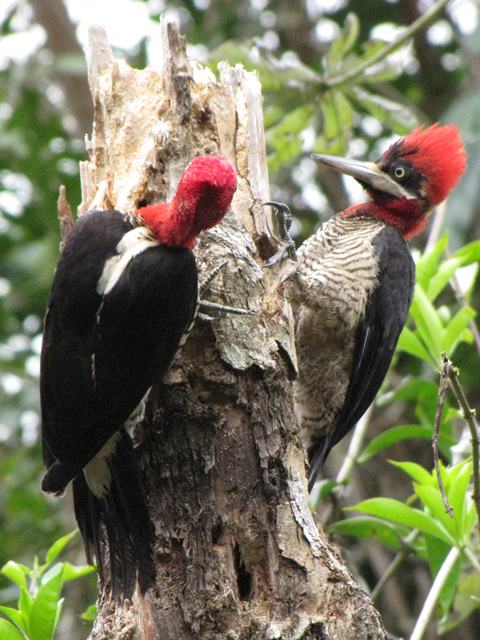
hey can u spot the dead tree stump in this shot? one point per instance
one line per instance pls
(237, 552)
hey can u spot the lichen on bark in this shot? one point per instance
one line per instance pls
(237, 552)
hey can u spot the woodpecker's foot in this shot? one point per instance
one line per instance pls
(215, 306)
(205, 286)
(287, 245)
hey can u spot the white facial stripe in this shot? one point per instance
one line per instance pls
(131, 245)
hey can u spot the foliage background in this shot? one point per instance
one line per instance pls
(45, 112)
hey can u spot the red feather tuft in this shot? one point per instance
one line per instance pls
(205, 192)
(437, 152)
(202, 199)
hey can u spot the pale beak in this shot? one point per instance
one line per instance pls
(367, 173)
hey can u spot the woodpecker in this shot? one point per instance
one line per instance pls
(123, 299)
(352, 284)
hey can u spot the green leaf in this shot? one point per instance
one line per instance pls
(16, 572)
(386, 70)
(412, 389)
(90, 613)
(409, 343)
(437, 552)
(344, 43)
(284, 137)
(415, 471)
(391, 436)
(323, 488)
(44, 612)
(331, 124)
(71, 572)
(468, 253)
(442, 276)
(427, 264)
(459, 499)
(58, 546)
(285, 152)
(392, 114)
(428, 324)
(467, 598)
(398, 512)
(344, 110)
(455, 329)
(15, 616)
(367, 527)
(432, 500)
(9, 632)
(25, 602)
(335, 147)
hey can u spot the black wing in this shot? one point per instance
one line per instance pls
(377, 335)
(101, 354)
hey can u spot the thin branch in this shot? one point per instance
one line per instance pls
(396, 563)
(473, 558)
(412, 30)
(469, 416)
(431, 601)
(442, 391)
(355, 446)
(436, 226)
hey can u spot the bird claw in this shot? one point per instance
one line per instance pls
(286, 245)
(205, 286)
(215, 306)
(284, 248)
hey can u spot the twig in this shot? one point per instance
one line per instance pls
(349, 461)
(356, 444)
(431, 601)
(436, 226)
(472, 557)
(469, 416)
(442, 391)
(412, 30)
(396, 563)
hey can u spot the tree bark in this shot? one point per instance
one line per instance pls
(237, 552)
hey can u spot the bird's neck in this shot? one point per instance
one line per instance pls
(170, 226)
(408, 216)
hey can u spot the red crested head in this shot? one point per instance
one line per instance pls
(202, 199)
(415, 173)
(436, 154)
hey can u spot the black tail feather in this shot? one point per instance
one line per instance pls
(116, 529)
(317, 456)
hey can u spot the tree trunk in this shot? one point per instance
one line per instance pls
(237, 552)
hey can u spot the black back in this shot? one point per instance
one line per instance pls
(100, 354)
(376, 338)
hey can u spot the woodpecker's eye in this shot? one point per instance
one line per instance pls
(400, 172)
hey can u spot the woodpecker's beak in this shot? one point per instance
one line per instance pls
(368, 173)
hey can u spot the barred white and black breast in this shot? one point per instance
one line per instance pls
(351, 290)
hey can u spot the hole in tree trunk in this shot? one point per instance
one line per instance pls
(244, 579)
(217, 531)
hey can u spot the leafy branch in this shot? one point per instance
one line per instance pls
(379, 56)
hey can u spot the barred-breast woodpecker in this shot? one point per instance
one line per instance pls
(352, 285)
(124, 296)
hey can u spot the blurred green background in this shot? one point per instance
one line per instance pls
(45, 112)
